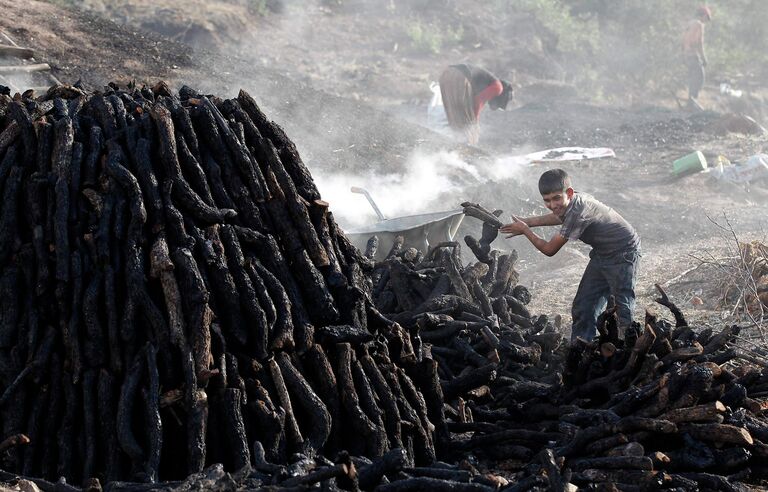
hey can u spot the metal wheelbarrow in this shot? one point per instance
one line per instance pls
(419, 231)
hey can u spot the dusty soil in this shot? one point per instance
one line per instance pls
(351, 88)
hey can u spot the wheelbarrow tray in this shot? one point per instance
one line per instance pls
(419, 231)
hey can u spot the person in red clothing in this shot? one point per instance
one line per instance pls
(465, 90)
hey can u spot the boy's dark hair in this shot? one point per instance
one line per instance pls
(553, 181)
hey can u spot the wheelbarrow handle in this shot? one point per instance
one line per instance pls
(367, 195)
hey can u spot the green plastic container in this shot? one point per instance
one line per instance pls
(690, 164)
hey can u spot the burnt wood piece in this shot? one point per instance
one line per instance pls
(602, 445)
(349, 252)
(319, 418)
(344, 334)
(183, 123)
(143, 302)
(296, 205)
(149, 185)
(509, 435)
(701, 413)
(248, 168)
(425, 483)
(318, 475)
(471, 380)
(318, 299)
(18, 114)
(387, 401)
(76, 169)
(194, 306)
(192, 171)
(62, 159)
(319, 371)
(426, 375)
(517, 307)
(175, 224)
(719, 433)
(41, 484)
(440, 473)
(89, 388)
(371, 247)
(281, 336)
(292, 431)
(234, 429)
(506, 276)
(128, 396)
(318, 213)
(477, 211)
(265, 301)
(420, 437)
(399, 283)
(53, 418)
(107, 408)
(663, 299)
(182, 191)
(444, 303)
(94, 346)
(271, 421)
(360, 423)
(90, 169)
(258, 338)
(197, 426)
(416, 401)
(260, 462)
(250, 210)
(66, 434)
(288, 153)
(154, 422)
(640, 348)
(459, 286)
(219, 192)
(613, 462)
(223, 287)
(12, 131)
(105, 115)
(379, 443)
(711, 481)
(392, 461)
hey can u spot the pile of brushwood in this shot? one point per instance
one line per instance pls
(179, 308)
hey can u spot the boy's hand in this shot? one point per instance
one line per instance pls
(516, 228)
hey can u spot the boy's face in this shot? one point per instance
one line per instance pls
(558, 201)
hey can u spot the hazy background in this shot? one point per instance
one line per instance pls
(350, 81)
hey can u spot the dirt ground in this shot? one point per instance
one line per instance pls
(352, 92)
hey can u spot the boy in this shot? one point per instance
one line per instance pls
(693, 53)
(615, 251)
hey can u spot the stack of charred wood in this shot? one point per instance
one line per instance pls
(177, 302)
(658, 406)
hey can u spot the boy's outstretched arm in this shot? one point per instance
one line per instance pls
(549, 248)
(542, 220)
(536, 221)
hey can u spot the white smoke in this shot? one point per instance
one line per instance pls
(422, 186)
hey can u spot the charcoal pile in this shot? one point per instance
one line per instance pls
(181, 310)
(659, 406)
(176, 294)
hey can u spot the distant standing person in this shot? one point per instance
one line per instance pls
(693, 52)
(466, 89)
(612, 266)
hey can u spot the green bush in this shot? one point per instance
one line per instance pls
(432, 37)
(425, 38)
